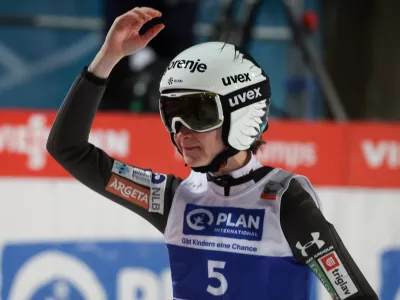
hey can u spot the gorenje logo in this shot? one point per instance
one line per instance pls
(236, 78)
(193, 66)
(242, 98)
(231, 222)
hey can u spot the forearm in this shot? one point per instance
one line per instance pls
(68, 144)
(74, 120)
(314, 241)
(102, 65)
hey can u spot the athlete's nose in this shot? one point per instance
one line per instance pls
(180, 128)
(182, 131)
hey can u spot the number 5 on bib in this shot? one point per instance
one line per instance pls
(217, 291)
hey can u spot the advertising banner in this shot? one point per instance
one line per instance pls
(351, 154)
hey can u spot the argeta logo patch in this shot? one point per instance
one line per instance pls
(128, 190)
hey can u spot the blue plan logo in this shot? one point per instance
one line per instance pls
(231, 222)
(199, 219)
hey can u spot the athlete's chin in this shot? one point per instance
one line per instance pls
(195, 162)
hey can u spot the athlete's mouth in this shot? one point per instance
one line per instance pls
(191, 148)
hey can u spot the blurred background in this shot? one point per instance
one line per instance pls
(335, 73)
(44, 45)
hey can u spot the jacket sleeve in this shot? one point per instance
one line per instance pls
(143, 191)
(315, 242)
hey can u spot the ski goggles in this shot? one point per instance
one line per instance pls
(198, 111)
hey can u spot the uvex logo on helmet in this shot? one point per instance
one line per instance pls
(193, 66)
(236, 78)
(243, 97)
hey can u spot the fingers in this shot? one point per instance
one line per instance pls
(151, 33)
(150, 11)
(138, 16)
(145, 14)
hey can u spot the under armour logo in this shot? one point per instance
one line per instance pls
(315, 241)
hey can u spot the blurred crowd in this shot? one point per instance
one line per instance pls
(135, 79)
(356, 45)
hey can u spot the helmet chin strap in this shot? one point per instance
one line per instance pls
(216, 164)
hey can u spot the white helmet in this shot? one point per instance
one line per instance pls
(236, 85)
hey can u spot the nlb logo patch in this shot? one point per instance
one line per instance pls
(158, 186)
(231, 222)
(158, 178)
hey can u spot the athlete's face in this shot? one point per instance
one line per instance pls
(199, 149)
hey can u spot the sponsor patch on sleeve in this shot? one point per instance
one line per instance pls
(141, 176)
(313, 264)
(137, 175)
(158, 184)
(122, 169)
(337, 275)
(141, 180)
(134, 193)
